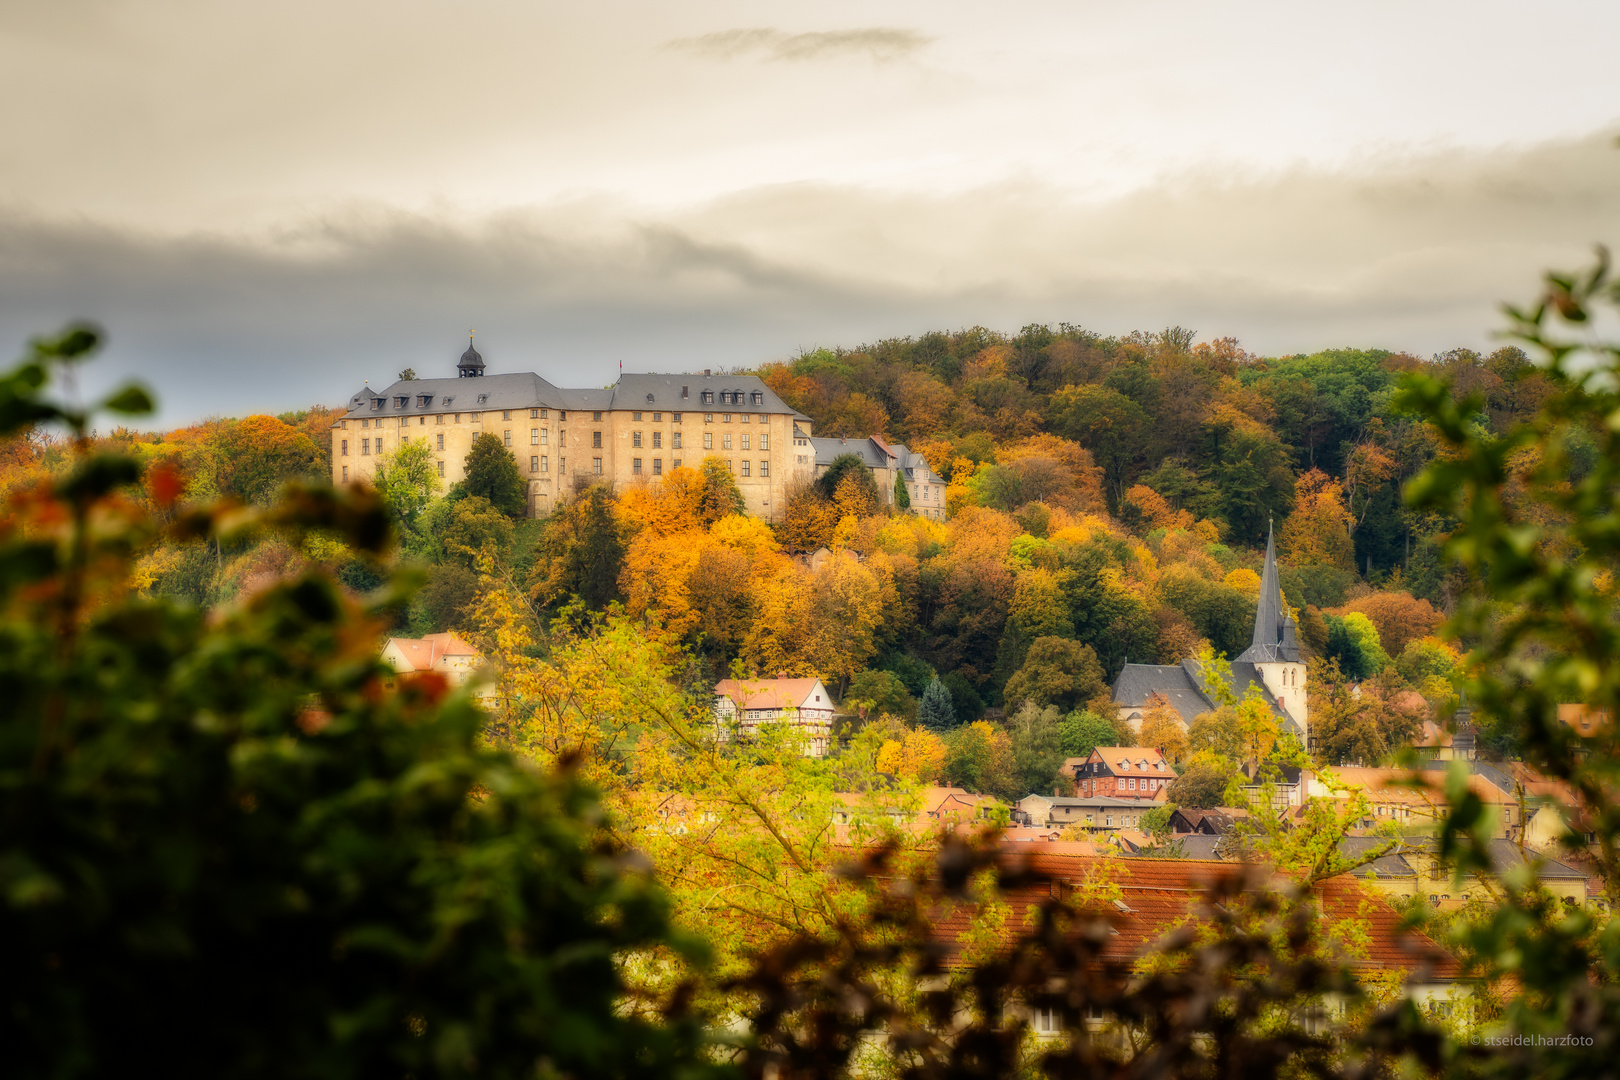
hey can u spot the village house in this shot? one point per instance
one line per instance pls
(446, 654)
(633, 432)
(1271, 665)
(1123, 772)
(742, 705)
(1096, 814)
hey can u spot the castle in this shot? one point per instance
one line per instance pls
(632, 432)
(1271, 663)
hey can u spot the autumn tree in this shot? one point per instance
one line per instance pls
(582, 553)
(808, 521)
(877, 693)
(1204, 783)
(720, 497)
(1398, 617)
(979, 758)
(476, 529)
(1056, 671)
(1161, 726)
(1317, 531)
(492, 472)
(258, 454)
(918, 756)
(1037, 747)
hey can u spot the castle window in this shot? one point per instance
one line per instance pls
(658, 466)
(708, 397)
(745, 467)
(345, 447)
(545, 463)
(635, 437)
(542, 414)
(596, 439)
(596, 466)
(658, 417)
(658, 440)
(365, 447)
(744, 418)
(708, 440)
(676, 417)
(725, 418)
(758, 398)
(596, 417)
(764, 440)
(376, 403)
(675, 464)
(439, 419)
(534, 463)
(534, 436)
(636, 417)
(725, 442)
(441, 468)
(506, 437)
(506, 414)
(458, 418)
(401, 401)
(745, 445)
(764, 468)
(675, 440)
(345, 474)
(441, 440)
(635, 466)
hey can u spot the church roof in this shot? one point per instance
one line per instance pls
(1273, 625)
(1182, 686)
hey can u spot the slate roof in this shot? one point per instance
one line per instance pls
(1183, 689)
(830, 450)
(1159, 895)
(1274, 632)
(526, 390)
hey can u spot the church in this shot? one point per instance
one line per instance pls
(1271, 663)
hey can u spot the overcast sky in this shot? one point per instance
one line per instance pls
(268, 204)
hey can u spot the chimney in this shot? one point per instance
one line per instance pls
(1057, 792)
(706, 372)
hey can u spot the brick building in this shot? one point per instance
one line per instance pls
(1120, 772)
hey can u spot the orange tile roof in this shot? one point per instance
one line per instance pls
(1161, 894)
(1392, 785)
(424, 653)
(768, 693)
(1124, 760)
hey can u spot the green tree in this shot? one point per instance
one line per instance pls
(936, 713)
(1037, 748)
(1081, 732)
(476, 528)
(902, 497)
(407, 479)
(880, 692)
(1058, 672)
(492, 472)
(1203, 785)
(720, 497)
(1109, 424)
(846, 465)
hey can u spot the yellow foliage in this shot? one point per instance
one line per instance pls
(1245, 581)
(748, 535)
(920, 757)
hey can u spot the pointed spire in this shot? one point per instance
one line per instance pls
(1272, 622)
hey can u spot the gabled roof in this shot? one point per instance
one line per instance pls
(1160, 895)
(871, 455)
(524, 390)
(424, 653)
(1129, 760)
(1182, 686)
(770, 693)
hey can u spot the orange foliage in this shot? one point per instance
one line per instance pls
(1399, 617)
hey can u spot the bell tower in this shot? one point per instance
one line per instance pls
(1275, 650)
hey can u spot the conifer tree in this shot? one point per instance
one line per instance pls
(492, 472)
(902, 497)
(936, 713)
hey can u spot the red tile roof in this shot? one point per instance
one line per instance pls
(1159, 895)
(1126, 760)
(769, 693)
(424, 653)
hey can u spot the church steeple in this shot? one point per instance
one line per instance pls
(1274, 630)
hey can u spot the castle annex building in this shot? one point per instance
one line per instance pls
(633, 432)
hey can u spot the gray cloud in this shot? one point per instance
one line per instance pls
(878, 43)
(1413, 254)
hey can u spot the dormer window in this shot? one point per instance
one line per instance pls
(685, 393)
(649, 399)
(758, 398)
(448, 400)
(482, 398)
(401, 401)
(708, 397)
(376, 403)
(423, 400)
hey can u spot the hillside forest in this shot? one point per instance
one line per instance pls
(1109, 500)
